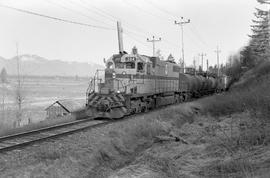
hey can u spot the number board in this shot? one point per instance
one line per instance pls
(130, 59)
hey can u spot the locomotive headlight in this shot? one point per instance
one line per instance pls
(113, 75)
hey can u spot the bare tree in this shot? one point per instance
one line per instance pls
(3, 75)
(3, 102)
(18, 93)
(3, 91)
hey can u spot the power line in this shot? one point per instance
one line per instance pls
(132, 37)
(195, 31)
(127, 31)
(72, 10)
(105, 14)
(145, 11)
(139, 31)
(169, 14)
(161, 9)
(54, 18)
(98, 10)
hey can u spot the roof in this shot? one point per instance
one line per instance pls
(69, 105)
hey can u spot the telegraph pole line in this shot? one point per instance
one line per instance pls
(182, 23)
(218, 51)
(202, 55)
(153, 41)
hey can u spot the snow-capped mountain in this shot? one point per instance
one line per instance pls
(39, 66)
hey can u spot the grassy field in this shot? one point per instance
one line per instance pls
(37, 93)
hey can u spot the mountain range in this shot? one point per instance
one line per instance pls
(39, 66)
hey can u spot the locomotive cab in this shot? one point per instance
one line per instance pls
(130, 64)
(120, 73)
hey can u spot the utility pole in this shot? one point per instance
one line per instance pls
(153, 41)
(120, 37)
(18, 66)
(18, 92)
(194, 62)
(218, 51)
(207, 65)
(182, 23)
(202, 55)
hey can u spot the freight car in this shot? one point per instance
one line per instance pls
(134, 83)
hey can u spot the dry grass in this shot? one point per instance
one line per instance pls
(44, 154)
(128, 141)
(250, 129)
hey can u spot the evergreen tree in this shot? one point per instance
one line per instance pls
(258, 48)
(260, 38)
(3, 75)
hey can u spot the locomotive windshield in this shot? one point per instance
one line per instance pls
(130, 65)
(109, 65)
(119, 65)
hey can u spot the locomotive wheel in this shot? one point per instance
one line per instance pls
(144, 109)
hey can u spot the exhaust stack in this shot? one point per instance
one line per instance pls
(120, 37)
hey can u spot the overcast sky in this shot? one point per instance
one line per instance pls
(213, 22)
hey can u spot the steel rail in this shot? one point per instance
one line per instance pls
(7, 143)
(5, 137)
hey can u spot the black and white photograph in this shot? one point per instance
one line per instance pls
(134, 89)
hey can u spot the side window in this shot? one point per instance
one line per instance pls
(140, 67)
(148, 69)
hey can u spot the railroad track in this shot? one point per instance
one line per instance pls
(19, 140)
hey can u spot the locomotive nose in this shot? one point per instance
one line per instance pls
(103, 106)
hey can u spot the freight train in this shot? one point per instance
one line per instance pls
(134, 83)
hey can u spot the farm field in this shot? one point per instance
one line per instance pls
(37, 94)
